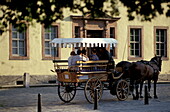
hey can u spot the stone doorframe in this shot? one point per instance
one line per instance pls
(85, 23)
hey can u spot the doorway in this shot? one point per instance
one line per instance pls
(94, 33)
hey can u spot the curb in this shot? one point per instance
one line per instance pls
(53, 85)
(31, 86)
(163, 82)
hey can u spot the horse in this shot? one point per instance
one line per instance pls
(144, 70)
(123, 67)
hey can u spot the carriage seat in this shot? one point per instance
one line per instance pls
(98, 66)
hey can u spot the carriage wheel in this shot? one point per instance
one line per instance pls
(122, 90)
(89, 90)
(66, 91)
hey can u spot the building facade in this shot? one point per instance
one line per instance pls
(30, 51)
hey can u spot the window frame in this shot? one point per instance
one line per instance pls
(44, 57)
(77, 33)
(114, 37)
(15, 57)
(141, 43)
(167, 40)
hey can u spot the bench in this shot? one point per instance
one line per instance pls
(83, 70)
(99, 66)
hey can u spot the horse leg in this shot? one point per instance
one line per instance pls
(155, 96)
(132, 89)
(141, 87)
(149, 88)
(137, 92)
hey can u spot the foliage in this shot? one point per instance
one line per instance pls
(147, 9)
(19, 12)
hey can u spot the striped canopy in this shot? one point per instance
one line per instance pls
(83, 42)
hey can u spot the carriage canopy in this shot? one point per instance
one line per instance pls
(83, 42)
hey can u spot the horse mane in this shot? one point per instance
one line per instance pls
(144, 62)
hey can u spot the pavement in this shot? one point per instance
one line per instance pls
(19, 99)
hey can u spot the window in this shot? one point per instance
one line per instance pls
(161, 42)
(77, 32)
(112, 35)
(18, 43)
(135, 43)
(48, 35)
(112, 32)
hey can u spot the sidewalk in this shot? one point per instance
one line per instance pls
(22, 86)
(55, 84)
(25, 100)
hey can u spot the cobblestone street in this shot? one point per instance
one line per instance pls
(25, 100)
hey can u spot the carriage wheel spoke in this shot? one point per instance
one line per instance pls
(122, 90)
(66, 92)
(92, 84)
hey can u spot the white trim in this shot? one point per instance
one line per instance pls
(84, 42)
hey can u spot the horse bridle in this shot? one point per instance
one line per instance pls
(156, 62)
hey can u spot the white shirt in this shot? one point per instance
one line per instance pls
(70, 60)
(78, 58)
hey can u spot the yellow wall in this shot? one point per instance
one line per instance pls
(36, 66)
(148, 36)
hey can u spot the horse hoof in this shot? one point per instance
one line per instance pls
(149, 97)
(155, 97)
(134, 98)
(137, 97)
(141, 96)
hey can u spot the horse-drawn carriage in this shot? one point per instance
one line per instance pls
(101, 75)
(90, 75)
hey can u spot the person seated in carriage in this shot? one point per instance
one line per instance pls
(72, 54)
(94, 56)
(84, 54)
(103, 54)
(74, 59)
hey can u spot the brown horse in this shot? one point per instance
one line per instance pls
(144, 70)
(123, 67)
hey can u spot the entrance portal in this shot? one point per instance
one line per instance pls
(94, 33)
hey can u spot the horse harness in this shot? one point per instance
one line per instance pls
(148, 63)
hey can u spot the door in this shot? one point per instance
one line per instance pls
(94, 33)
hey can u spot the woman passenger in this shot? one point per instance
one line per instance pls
(72, 54)
(93, 56)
